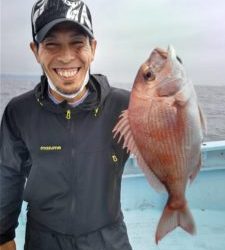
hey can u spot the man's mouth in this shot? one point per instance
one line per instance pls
(67, 73)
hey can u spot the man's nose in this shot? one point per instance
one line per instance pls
(66, 55)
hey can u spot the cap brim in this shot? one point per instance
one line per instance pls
(43, 32)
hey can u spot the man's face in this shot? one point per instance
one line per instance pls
(65, 56)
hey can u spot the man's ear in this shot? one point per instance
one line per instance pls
(93, 48)
(34, 49)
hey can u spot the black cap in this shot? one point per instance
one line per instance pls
(47, 13)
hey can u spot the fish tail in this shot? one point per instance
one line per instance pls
(172, 218)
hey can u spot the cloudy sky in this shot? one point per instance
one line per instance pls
(126, 32)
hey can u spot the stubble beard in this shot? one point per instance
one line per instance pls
(71, 92)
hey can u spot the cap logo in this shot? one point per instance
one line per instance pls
(77, 11)
(84, 18)
(71, 2)
(40, 7)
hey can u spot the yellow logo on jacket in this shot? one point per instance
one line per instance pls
(50, 148)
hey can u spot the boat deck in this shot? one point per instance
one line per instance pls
(210, 235)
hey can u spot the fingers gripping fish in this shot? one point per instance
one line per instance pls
(163, 127)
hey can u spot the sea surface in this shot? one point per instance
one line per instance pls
(211, 99)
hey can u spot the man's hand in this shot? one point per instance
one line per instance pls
(10, 245)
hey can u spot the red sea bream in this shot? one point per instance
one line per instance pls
(163, 127)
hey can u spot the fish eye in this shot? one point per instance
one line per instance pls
(149, 75)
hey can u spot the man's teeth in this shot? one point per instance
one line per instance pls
(67, 72)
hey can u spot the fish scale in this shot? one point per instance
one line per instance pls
(163, 131)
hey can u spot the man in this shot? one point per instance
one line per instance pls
(58, 140)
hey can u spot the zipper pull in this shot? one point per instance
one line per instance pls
(96, 110)
(40, 102)
(114, 158)
(68, 114)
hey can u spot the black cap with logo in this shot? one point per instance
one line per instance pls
(47, 13)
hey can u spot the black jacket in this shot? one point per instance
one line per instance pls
(68, 156)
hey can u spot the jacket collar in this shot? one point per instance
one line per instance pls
(98, 86)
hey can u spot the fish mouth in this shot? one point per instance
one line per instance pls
(163, 53)
(172, 82)
(170, 53)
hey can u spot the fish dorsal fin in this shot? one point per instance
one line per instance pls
(123, 129)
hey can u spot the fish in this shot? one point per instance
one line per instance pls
(163, 128)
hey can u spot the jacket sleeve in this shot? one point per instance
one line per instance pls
(14, 159)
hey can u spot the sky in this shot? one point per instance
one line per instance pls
(127, 32)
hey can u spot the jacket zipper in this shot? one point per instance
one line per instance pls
(70, 161)
(68, 114)
(73, 188)
(73, 181)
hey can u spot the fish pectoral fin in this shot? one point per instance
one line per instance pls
(123, 130)
(196, 170)
(183, 95)
(151, 177)
(171, 219)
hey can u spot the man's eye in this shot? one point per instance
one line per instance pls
(77, 43)
(51, 45)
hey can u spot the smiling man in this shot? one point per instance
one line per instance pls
(57, 138)
(65, 54)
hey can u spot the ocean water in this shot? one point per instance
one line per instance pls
(211, 99)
